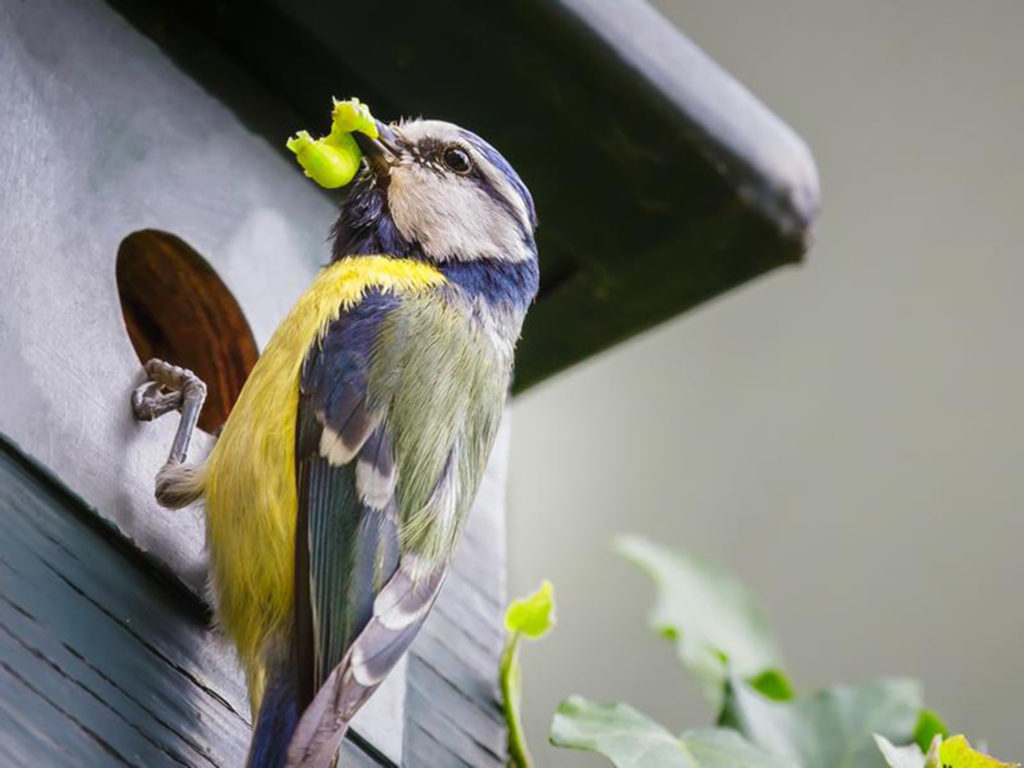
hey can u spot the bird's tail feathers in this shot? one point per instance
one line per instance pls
(399, 612)
(276, 722)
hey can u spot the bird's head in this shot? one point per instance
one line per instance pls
(439, 191)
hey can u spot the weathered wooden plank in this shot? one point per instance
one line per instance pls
(474, 570)
(484, 727)
(100, 662)
(352, 756)
(458, 652)
(22, 711)
(466, 606)
(110, 664)
(436, 739)
(427, 749)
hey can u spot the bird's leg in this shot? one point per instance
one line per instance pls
(170, 388)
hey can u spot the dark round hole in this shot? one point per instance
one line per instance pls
(176, 308)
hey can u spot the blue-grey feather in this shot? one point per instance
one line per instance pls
(501, 164)
(377, 451)
(349, 550)
(512, 283)
(382, 645)
(335, 374)
(365, 225)
(344, 549)
(278, 717)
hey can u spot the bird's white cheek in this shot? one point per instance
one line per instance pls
(451, 219)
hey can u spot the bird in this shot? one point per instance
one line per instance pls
(337, 490)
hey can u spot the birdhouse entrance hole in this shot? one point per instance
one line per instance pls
(176, 308)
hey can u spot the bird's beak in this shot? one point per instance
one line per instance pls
(381, 151)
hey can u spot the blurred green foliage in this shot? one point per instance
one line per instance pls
(723, 639)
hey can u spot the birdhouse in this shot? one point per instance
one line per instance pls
(150, 209)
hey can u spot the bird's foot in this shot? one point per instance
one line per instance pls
(167, 389)
(170, 388)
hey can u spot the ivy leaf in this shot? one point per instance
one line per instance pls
(626, 737)
(630, 739)
(929, 725)
(957, 753)
(774, 684)
(716, 627)
(533, 615)
(724, 748)
(833, 729)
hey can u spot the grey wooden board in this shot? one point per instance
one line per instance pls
(103, 136)
(101, 663)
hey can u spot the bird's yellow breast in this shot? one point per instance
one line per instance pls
(251, 498)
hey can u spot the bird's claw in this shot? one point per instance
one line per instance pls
(166, 389)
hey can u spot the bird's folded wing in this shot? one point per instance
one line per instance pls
(359, 601)
(347, 528)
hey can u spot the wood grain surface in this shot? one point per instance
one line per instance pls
(102, 664)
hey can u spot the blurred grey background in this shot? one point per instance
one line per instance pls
(844, 435)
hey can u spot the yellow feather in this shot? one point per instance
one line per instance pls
(251, 501)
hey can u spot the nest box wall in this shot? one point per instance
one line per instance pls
(149, 209)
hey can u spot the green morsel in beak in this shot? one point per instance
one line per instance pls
(333, 160)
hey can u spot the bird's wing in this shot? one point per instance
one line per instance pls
(346, 532)
(389, 435)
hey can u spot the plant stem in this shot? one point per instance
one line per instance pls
(511, 691)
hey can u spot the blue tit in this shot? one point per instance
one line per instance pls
(337, 491)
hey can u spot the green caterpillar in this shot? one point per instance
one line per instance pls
(333, 161)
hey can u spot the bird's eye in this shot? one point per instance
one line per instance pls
(456, 159)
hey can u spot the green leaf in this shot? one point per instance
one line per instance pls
(630, 739)
(724, 748)
(928, 725)
(956, 752)
(333, 160)
(709, 615)
(833, 729)
(534, 615)
(626, 737)
(774, 684)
